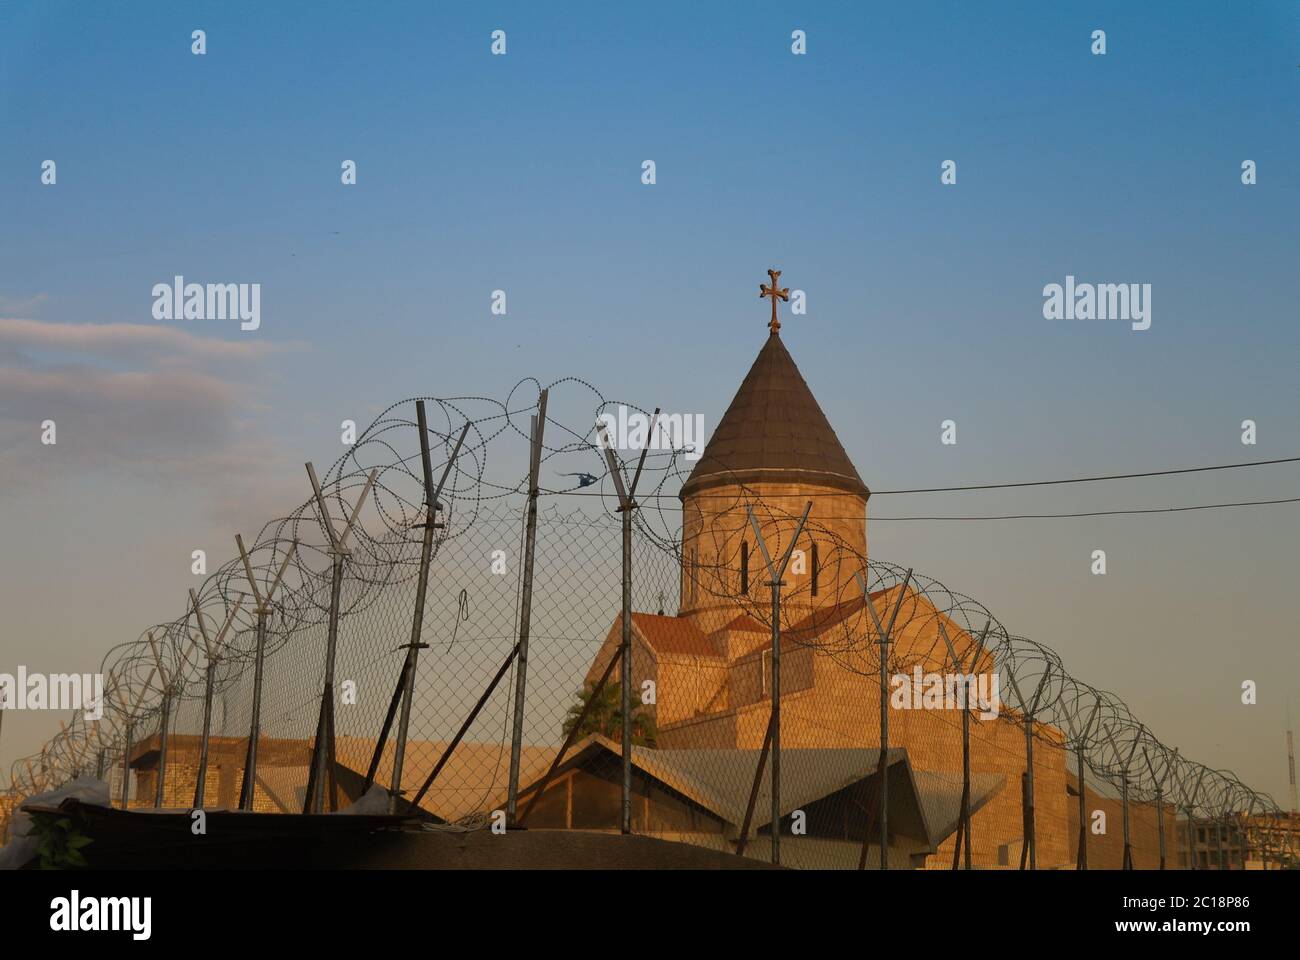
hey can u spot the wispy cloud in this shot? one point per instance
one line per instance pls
(154, 400)
(137, 341)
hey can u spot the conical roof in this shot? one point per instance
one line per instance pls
(774, 432)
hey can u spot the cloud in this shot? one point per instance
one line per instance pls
(137, 341)
(15, 307)
(156, 401)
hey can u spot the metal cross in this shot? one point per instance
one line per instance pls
(776, 292)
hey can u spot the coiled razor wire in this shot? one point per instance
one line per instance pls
(169, 658)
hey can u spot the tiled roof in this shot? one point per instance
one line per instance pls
(743, 622)
(774, 431)
(673, 635)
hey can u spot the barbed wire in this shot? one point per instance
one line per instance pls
(701, 552)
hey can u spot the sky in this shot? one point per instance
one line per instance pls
(523, 173)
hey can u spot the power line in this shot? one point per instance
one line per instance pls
(1104, 513)
(1042, 516)
(1114, 476)
(974, 486)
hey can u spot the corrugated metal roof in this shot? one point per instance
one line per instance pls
(720, 781)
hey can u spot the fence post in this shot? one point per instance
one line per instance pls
(963, 843)
(421, 590)
(626, 504)
(211, 649)
(1218, 840)
(248, 789)
(1029, 843)
(163, 721)
(322, 758)
(1190, 805)
(1080, 741)
(882, 758)
(162, 749)
(1124, 778)
(1160, 809)
(777, 571)
(126, 768)
(525, 606)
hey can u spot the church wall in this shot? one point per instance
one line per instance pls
(715, 524)
(689, 687)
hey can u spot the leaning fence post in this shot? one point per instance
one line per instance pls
(248, 789)
(777, 571)
(165, 708)
(626, 504)
(525, 606)
(421, 589)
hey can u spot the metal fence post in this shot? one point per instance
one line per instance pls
(126, 768)
(162, 748)
(322, 754)
(421, 591)
(525, 607)
(1029, 848)
(1160, 809)
(201, 780)
(249, 786)
(882, 759)
(962, 847)
(209, 681)
(626, 504)
(248, 789)
(777, 571)
(1080, 741)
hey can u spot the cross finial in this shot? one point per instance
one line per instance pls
(776, 292)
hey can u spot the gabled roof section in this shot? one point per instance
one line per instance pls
(677, 636)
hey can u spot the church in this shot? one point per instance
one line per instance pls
(774, 451)
(700, 771)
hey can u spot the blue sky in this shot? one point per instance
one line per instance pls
(522, 173)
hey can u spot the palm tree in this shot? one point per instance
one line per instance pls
(605, 716)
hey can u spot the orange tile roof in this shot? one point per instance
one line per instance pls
(675, 635)
(744, 622)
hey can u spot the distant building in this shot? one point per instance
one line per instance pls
(1240, 842)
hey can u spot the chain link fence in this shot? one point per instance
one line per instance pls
(914, 730)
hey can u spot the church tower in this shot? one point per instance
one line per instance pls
(775, 450)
